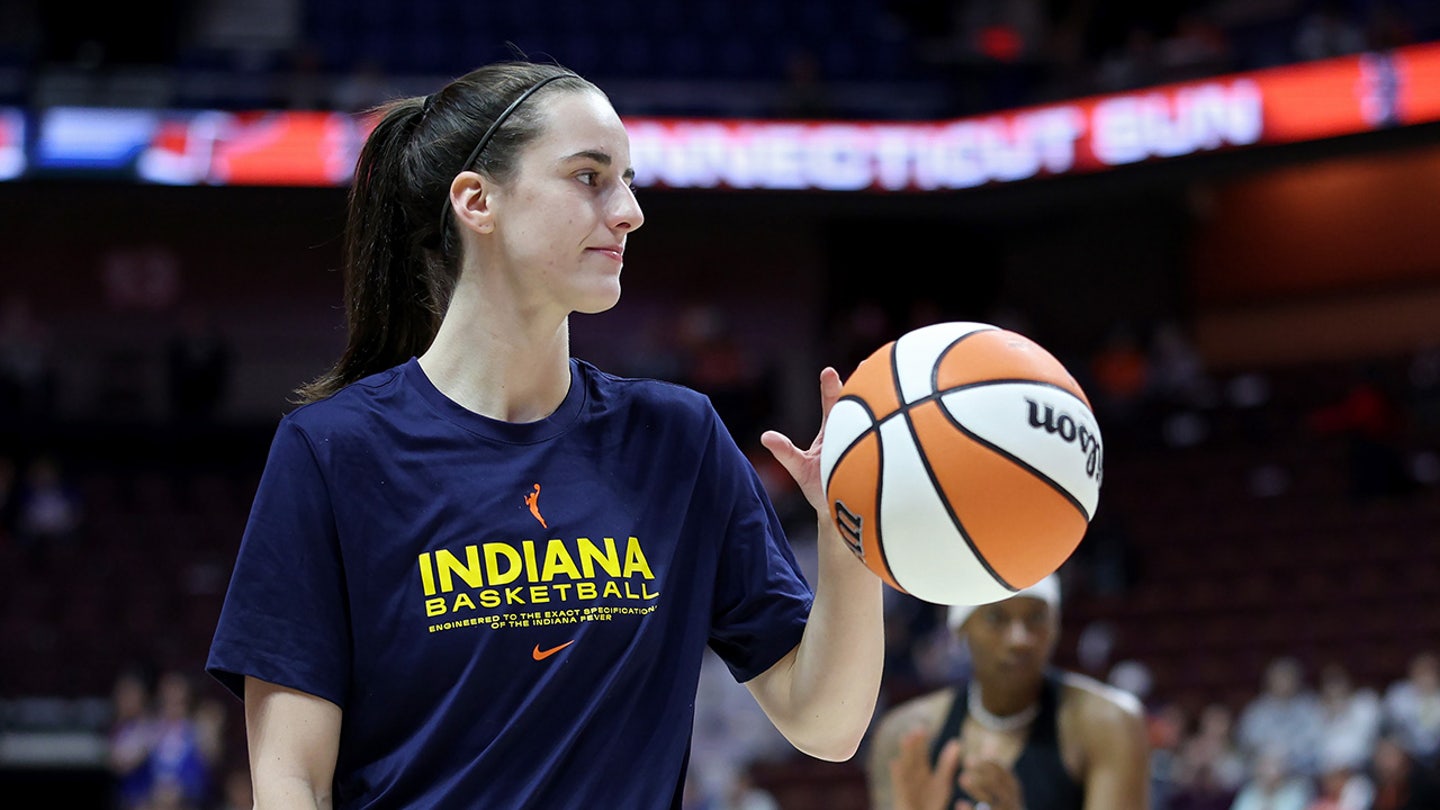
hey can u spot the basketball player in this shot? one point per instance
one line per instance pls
(479, 572)
(1018, 734)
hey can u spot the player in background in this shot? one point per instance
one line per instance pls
(1017, 734)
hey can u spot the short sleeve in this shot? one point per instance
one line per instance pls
(285, 618)
(762, 600)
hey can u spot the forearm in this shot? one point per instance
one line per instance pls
(822, 695)
(835, 674)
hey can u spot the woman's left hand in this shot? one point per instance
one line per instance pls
(804, 465)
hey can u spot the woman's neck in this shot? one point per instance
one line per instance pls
(500, 365)
(1001, 709)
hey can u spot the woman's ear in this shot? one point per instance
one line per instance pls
(470, 202)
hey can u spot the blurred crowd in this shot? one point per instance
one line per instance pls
(1005, 54)
(797, 59)
(168, 747)
(1330, 744)
(1295, 744)
(1302, 741)
(1327, 745)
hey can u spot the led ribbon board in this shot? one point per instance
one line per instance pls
(1291, 104)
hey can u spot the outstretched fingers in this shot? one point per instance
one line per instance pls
(804, 465)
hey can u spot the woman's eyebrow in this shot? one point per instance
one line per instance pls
(603, 158)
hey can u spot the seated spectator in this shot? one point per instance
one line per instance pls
(1284, 717)
(1342, 786)
(1198, 48)
(1132, 65)
(1371, 423)
(1177, 376)
(131, 739)
(27, 364)
(49, 513)
(1328, 32)
(1273, 785)
(1349, 720)
(211, 719)
(1249, 396)
(1401, 783)
(1120, 369)
(1412, 708)
(743, 794)
(1165, 726)
(180, 767)
(1209, 771)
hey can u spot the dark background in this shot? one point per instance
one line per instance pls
(1238, 523)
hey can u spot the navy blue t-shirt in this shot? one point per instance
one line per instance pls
(509, 615)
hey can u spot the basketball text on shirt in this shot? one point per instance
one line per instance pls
(496, 574)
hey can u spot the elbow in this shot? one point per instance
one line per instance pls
(829, 743)
(831, 750)
(835, 752)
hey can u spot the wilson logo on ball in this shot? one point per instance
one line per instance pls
(1068, 429)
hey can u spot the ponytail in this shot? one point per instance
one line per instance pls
(391, 305)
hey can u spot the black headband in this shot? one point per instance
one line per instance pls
(490, 133)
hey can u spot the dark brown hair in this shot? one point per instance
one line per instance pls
(400, 263)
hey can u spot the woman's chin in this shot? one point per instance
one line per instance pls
(598, 301)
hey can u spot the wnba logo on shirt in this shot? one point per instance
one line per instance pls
(532, 500)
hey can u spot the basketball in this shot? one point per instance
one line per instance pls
(962, 463)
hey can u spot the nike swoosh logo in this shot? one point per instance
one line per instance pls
(541, 655)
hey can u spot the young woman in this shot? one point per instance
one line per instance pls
(481, 573)
(1018, 734)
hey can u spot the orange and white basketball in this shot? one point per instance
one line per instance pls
(962, 463)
